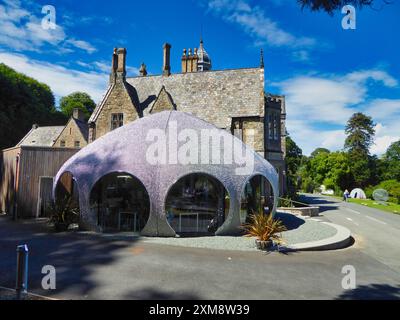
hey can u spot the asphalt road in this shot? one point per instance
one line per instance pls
(377, 233)
(91, 267)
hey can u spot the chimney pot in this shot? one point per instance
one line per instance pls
(35, 126)
(167, 60)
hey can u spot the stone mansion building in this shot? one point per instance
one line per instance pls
(229, 99)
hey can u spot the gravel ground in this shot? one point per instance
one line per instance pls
(218, 243)
(300, 231)
(309, 231)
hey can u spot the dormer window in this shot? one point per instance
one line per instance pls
(117, 120)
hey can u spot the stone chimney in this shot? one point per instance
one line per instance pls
(143, 70)
(121, 69)
(78, 114)
(262, 59)
(114, 66)
(118, 65)
(190, 61)
(167, 60)
(184, 61)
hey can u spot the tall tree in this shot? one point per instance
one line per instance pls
(318, 151)
(23, 102)
(360, 133)
(294, 157)
(360, 137)
(79, 100)
(391, 162)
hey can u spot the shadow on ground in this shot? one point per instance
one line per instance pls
(73, 255)
(372, 292)
(156, 294)
(322, 203)
(289, 220)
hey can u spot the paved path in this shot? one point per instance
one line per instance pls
(91, 267)
(377, 232)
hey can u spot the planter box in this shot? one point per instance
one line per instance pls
(264, 245)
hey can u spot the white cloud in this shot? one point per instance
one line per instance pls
(382, 144)
(256, 23)
(61, 80)
(377, 75)
(103, 66)
(22, 30)
(326, 102)
(81, 45)
(384, 109)
(309, 138)
(385, 134)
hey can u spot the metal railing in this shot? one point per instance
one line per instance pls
(289, 203)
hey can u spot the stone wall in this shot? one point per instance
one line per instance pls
(253, 134)
(118, 101)
(69, 135)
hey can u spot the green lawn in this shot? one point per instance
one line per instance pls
(390, 207)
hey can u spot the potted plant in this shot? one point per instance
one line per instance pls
(265, 229)
(63, 213)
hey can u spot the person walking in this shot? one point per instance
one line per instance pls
(346, 195)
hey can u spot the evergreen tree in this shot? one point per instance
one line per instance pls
(360, 137)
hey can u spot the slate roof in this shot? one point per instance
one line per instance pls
(83, 128)
(207, 95)
(41, 137)
(214, 96)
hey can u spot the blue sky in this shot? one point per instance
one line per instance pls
(326, 73)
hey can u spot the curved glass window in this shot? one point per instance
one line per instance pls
(120, 202)
(197, 204)
(257, 197)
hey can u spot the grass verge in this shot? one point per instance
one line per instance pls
(389, 207)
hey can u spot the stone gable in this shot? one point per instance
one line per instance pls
(163, 102)
(71, 134)
(118, 100)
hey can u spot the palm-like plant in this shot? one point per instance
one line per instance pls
(265, 228)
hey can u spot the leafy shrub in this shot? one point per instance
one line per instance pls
(392, 187)
(308, 185)
(369, 191)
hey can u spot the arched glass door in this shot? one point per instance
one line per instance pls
(197, 204)
(120, 202)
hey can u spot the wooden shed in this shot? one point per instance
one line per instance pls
(26, 178)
